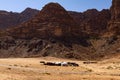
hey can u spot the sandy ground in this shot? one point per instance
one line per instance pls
(31, 69)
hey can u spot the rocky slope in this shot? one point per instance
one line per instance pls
(52, 21)
(92, 21)
(10, 47)
(114, 24)
(8, 19)
(27, 14)
(109, 45)
(57, 32)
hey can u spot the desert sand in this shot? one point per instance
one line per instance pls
(31, 69)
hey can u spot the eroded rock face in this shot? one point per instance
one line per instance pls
(115, 10)
(52, 21)
(114, 25)
(92, 22)
(53, 15)
(10, 47)
(54, 31)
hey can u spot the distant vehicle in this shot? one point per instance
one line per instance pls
(60, 63)
(90, 62)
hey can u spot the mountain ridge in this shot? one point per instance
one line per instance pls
(14, 18)
(60, 33)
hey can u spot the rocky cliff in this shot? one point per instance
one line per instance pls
(92, 22)
(52, 21)
(52, 32)
(57, 32)
(114, 24)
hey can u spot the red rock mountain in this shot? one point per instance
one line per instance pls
(114, 25)
(60, 33)
(27, 14)
(8, 19)
(92, 22)
(52, 21)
